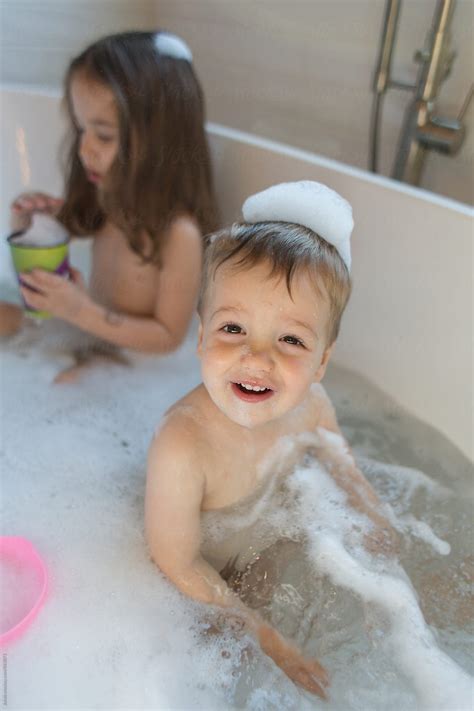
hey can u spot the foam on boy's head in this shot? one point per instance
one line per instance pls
(306, 203)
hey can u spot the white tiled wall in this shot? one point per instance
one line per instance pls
(298, 71)
(39, 37)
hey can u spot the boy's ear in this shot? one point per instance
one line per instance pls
(324, 363)
(199, 343)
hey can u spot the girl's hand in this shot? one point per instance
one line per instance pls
(63, 298)
(26, 204)
(308, 673)
(11, 318)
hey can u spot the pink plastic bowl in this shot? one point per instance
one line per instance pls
(20, 555)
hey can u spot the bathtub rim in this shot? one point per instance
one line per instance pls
(284, 149)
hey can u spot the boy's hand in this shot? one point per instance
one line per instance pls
(308, 673)
(383, 538)
(63, 298)
(26, 204)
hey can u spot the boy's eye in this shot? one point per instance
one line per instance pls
(231, 328)
(293, 341)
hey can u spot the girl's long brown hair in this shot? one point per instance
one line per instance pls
(163, 167)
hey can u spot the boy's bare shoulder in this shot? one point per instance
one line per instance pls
(182, 430)
(323, 409)
(176, 467)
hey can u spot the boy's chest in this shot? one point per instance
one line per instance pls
(230, 477)
(119, 278)
(238, 469)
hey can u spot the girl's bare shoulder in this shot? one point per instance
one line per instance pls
(183, 233)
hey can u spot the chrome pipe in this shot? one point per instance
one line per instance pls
(389, 31)
(382, 75)
(434, 70)
(411, 151)
(422, 128)
(375, 118)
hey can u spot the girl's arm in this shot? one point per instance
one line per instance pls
(175, 490)
(174, 302)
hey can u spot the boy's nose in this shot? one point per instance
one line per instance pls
(258, 358)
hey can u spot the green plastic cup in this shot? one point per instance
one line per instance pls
(27, 257)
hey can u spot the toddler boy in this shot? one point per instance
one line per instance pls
(274, 289)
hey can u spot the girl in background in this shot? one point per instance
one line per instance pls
(138, 180)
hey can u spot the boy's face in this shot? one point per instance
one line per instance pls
(261, 348)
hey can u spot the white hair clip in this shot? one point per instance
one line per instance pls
(170, 45)
(306, 203)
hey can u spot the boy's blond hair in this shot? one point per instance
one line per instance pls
(288, 249)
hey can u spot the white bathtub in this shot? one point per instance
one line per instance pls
(116, 634)
(409, 325)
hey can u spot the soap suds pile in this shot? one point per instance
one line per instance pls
(115, 634)
(44, 231)
(305, 203)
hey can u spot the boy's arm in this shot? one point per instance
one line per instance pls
(174, 302)
(335, 454)
(174, 493)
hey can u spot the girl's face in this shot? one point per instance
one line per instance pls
(260, 348)
(96, 118)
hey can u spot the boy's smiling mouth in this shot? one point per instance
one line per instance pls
(251, 392)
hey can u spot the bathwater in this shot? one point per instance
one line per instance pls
(114, 633)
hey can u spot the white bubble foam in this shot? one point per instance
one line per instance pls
(305, 203)
(44, 231)
(421, 530)
(115, 633)
(171, 45)
(439, 682)
(309, 506)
